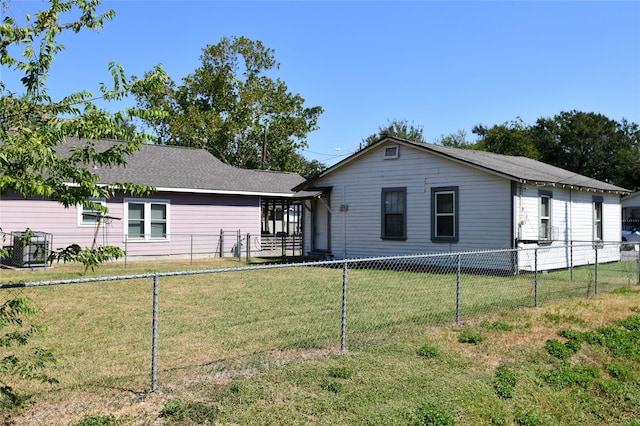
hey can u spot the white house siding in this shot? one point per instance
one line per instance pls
(484, 204)
(195, 222)
(572, 224)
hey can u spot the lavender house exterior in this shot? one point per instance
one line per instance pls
(198, 203)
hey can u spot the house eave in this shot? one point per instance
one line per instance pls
(215, 191)
(570, 187)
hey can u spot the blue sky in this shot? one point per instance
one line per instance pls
(443, 66)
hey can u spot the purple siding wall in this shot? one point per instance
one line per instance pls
(195, 222)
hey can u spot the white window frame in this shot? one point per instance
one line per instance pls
(598, 228)
(436, 215)
(547, 238)
(147, 222)
(81, 210)
(391, 152)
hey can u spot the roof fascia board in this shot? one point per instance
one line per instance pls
(209, 191)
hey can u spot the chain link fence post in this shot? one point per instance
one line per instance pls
(343, 329)
(535, 277)
(248, 255)
(154, 339)
(637, 247)
(459, 267)
(595, 287)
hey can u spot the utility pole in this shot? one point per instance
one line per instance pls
(264, 147)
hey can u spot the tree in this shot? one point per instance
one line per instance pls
(32, 127)
(510, 138)
(591, 144)
(397, 128)
(231, 108)
(456, 140)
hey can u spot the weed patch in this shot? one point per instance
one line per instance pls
(496, 326)
(97, 421)
(199, 412)
(472, 338)
(430, 415)
(427, 351)
(561, 350)
(339, 373)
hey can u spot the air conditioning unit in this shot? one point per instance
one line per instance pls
(30, 249)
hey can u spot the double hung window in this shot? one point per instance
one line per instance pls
(147, 220)
(597, 219)
(545, 226)
(444, 214)
(394, 213)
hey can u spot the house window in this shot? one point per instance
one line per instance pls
(147, 220)
(88, 213)
(391, 152)
(597, 219)
(394, 213)
(444, 214)
(544, 230)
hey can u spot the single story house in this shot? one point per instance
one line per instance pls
(200, 205)
(399, 197)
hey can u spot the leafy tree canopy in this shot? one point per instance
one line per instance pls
(591, 144)
(32, 124)
(583, 142)
(509, 139)
(397, 128)
(232, 108)
(456, 140)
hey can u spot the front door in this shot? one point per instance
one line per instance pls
(321, 223)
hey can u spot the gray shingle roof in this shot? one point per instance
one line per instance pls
(519, 169)
(189, 170)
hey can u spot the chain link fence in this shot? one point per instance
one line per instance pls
(172, 329)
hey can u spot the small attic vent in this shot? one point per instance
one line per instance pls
(391, 152)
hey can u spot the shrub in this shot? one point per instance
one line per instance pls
(430, 415)
(428, 351)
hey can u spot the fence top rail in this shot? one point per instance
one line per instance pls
(287, 265)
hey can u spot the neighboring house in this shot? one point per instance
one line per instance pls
(197, 198)
(398, 197)
(631, 210)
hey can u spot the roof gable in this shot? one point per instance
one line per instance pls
(519, 169)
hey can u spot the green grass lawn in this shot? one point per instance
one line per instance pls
(263, 346)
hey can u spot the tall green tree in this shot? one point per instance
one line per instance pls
(32, 124)
(232, 108)
(397, 128)
(591, 144)
(32, 127)
(456, 140)
(510, 138)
